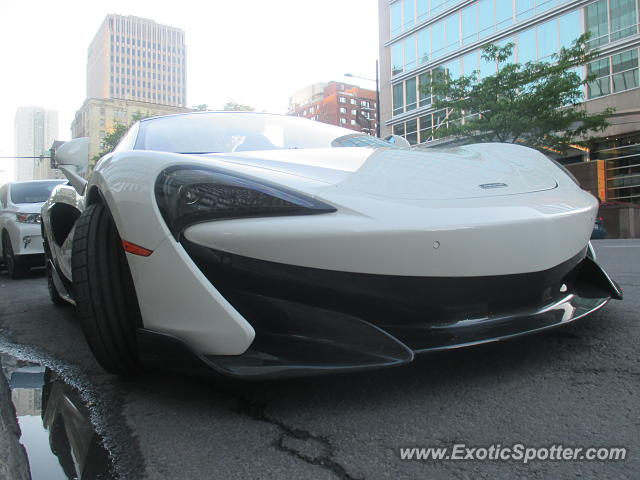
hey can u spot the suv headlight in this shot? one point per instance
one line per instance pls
(188, 194)
(28, 217)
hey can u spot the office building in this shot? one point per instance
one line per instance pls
(418, 37)
(133, 58)
(35, 130)
(337, 103)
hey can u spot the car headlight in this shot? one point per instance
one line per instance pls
(28, 217)
(188, 194)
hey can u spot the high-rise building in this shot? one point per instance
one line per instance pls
(418, 37)
(337, 103)
(133, 58)
(35, 131)
(135, 66)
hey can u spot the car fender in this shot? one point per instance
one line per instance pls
(60, 248)
(167, 278)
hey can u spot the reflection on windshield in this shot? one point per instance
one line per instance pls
(360, 140)
(234, 132)
(55, 427)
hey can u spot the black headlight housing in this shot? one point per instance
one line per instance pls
(192, 194)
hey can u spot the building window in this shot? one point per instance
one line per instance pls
(397, 59)
(343, 110)
(623, 18)
(343, 121)
(426, 130)
(398, 98)
(411, 133)
(396, 18)
(600, 85)
(624, 68)
(610, 20)
(353, 122)
(353, 112)
(452, 31)
(410, 52)
(411, 94)
(342, 100)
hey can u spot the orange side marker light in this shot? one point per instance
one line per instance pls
(136, 249)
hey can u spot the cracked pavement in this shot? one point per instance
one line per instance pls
(578, 386)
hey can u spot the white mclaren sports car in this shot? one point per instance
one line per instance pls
(260, 246)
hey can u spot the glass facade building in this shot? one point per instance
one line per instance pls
(419, 37)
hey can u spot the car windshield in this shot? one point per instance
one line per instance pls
(235, 132)
(32, 192)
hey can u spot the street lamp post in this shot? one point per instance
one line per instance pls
(377, 80)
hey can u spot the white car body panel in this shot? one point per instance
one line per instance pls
(482, 239)
(561, 217)
(399, 212)
(210, 324)
(475, 235)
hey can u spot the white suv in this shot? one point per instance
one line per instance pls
(21, 239)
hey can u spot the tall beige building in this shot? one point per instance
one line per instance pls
(133, 58)
(35, 130)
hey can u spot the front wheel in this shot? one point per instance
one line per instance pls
(14, 265)
(105, 295)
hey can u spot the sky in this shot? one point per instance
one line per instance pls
(256, 52)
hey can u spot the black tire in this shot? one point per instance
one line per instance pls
(14, 265)
(104, 292)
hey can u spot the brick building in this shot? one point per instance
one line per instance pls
(337, 103)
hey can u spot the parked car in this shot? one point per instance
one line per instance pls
(21, 242)
(599, 231)
(265, 246)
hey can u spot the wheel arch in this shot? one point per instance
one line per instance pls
(94, 195)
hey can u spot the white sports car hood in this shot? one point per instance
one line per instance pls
(480, 170)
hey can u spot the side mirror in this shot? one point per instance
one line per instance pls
(397, 140)
(72, 158)
(74, 152)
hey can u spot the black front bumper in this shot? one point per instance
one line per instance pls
(312, 321)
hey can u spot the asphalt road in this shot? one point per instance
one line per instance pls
(579, 386)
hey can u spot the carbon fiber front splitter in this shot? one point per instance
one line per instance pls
(304, 340)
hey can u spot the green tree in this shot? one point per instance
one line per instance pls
(535, 103)
(203, 107)
(237, 107)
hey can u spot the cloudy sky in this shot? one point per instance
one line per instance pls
(256, 52)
